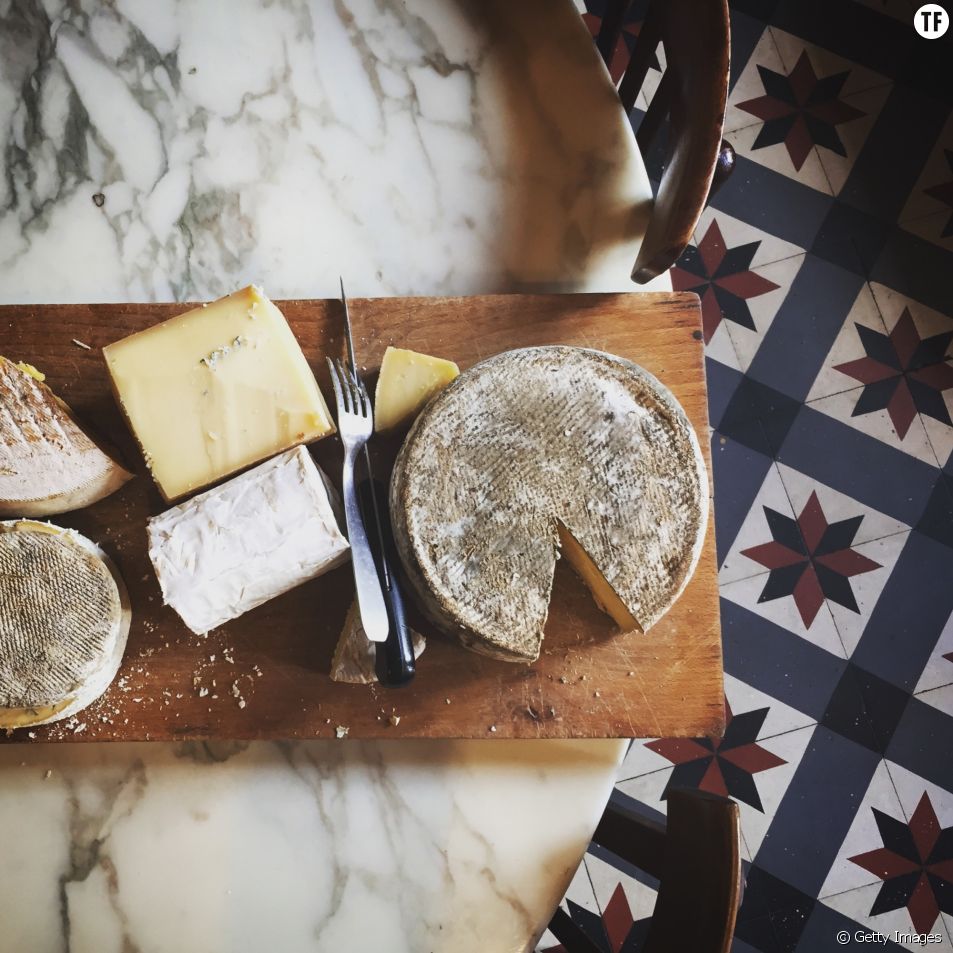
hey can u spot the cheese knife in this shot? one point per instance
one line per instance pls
(395, 662)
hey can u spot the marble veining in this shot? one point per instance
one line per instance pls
(172, 151)
(179, 150)
(303, 846)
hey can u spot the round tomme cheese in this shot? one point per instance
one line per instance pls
(537, 453)
(64, 619)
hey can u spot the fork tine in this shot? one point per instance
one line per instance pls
(368, 407)
(358, 393)
(346, 386)
(338, 389)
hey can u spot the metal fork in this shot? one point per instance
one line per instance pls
(356, 424)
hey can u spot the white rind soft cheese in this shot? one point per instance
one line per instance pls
(64, 620)
(240, 544)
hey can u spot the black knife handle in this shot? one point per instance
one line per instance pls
(395, 663)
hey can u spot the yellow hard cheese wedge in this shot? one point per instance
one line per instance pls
(216, 390)
(407, 381)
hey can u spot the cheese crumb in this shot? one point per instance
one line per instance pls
(341, 731)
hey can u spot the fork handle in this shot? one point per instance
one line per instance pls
(370, 599)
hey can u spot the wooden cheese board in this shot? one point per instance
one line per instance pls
(265, 675)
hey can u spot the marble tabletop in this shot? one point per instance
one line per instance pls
(177, 151)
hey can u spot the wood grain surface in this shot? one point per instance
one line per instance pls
(589, 682)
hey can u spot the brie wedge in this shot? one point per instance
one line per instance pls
(240, 544)
(355, 658)
(64, 619)
(538, 453)
(48, 463)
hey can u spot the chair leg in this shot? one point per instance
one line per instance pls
(610, 29)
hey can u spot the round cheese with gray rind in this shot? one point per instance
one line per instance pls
(534, 448)
(64, 619)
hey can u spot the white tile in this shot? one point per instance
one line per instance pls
(862, 836)
(941, 698)
(754, 530)
(927, 321)
(932, 228)
(856, 904)
(763, 308)
(749, 86)
(853, 134)
(736, 232)
(773, 784)
(877, 424)
(721, 348)
(837, 506)
(848, 346)
(939, 669)
(940, 434)
(867, 588)
(781, 718)
(825, 63)
(821, 630)
(778, 159)
(936, 171)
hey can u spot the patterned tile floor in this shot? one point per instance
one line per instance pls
(825, 269)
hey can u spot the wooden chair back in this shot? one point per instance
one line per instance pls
(692, 94)
(696, 857)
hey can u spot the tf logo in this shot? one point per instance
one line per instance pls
(931, 21)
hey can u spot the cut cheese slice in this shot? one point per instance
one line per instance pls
(242, 543)
(48, 463)
(407, 381)
(355, 658)
(532, 449)
(216, 390)
(64, 619)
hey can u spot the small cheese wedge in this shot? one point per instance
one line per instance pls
(48, 463)
(64, 619)
(407, 381)
(215, 390)
(355, 658)
(240, 544)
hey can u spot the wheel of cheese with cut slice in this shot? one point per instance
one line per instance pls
(537, 453)
(64, 619)
(48, 463)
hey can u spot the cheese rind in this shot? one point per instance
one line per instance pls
(240, 544)
(48, 463)
(64, 620)
(355, 657)
(215, 390)
(523, 446)
(407, 381)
